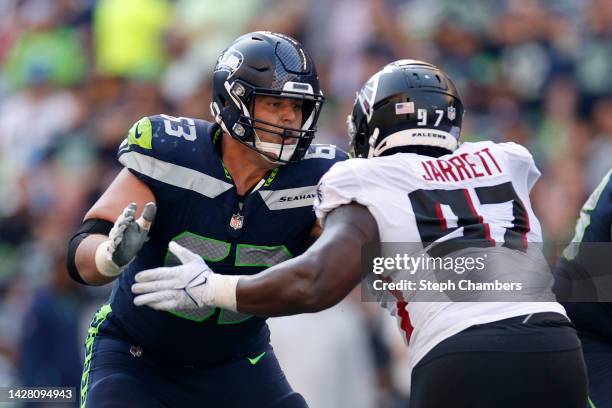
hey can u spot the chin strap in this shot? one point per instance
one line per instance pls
(274, 149)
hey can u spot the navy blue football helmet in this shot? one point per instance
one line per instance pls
(270, 64)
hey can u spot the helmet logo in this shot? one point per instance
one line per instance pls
(366, 97)
(367, 94)
(451, 113)
(230, 61)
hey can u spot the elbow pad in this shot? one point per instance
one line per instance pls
(89, 227)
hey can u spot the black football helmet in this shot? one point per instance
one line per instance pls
(271, 64)
(407, 103)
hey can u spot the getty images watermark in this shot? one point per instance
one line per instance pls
(456, 271)
(412, 264)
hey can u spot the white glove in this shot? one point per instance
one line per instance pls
(124, 240)
(191, 285)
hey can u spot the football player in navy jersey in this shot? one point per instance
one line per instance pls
(238, 193)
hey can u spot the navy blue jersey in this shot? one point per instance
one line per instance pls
(197, 206)
(583, 259)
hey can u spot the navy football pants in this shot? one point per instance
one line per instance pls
(115, 375)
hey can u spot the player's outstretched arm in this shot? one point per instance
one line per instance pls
(317, 279)
(111, 235)
(313, 281)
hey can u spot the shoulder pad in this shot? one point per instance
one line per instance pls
(166, 137)
(326, 152)
(322, 157)
(159, 146)
(339, 186)
(319, 159)
(151, 132)
(515, 149)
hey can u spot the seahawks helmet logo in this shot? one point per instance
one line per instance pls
(229, 61)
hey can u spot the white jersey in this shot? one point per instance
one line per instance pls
(489, 181)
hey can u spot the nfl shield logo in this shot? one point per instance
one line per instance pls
(451, 113)
(237, 221)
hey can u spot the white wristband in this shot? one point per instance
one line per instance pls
(104, 261)
(224, 290)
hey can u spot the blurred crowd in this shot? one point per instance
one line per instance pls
(75, 74)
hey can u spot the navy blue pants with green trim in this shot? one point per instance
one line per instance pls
(120, 375)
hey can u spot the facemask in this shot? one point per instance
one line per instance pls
(274, 149)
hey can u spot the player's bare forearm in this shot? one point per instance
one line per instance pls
(317, 279)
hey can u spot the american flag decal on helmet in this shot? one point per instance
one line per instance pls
(404, 108)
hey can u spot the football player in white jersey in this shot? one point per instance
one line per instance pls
(412, 181)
